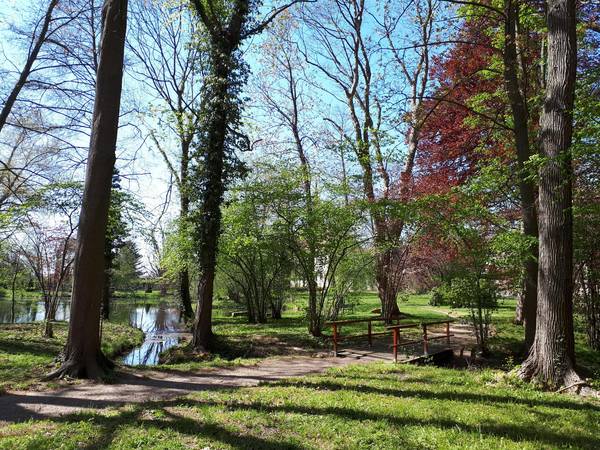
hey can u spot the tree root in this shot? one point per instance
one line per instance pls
(581, 388)
(570, 381)
(572, 385)
(94, 368)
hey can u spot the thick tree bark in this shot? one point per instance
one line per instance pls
(184, 276)
(14, 94)
(212, 196)
(528, 306)
(386, 286)
(551, 360)
(106, 287)
(83, 356)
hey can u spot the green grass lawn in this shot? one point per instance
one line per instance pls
(25, 355)
(371, 406)
(378, 406)
(6, 294)
(243, 343)
(239, 342)
(140, 294)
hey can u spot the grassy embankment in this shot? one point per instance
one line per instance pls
(25, 355)
(243, 343)
(239, 342)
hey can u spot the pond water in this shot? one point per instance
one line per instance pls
(162, 327)
(160, 322)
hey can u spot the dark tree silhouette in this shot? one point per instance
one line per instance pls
(83, 357)
(227, 26)
(551, 359)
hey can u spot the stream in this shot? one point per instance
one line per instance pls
(160, 322)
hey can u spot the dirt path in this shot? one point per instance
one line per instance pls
(141, 386)
(136, 387)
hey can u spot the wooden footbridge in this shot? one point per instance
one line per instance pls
(407, 341)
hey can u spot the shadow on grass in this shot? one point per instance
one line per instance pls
(457, 396)
(20, 347)
(141, 415)
(256, 344)
(196, 428)
(169, 421)
(516, 433)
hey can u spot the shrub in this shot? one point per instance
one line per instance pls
(481, 297)
(439, 296)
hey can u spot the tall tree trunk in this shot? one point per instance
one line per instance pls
(48, 329)
(212, 195)
(202, 332)
(106, 285)
(314, 313)
(386, 286)
(588, 284)
(551, 359)
(526, 186)
(49, 316)
(184, 294)
(221, 111)
(184, 276)
(519, 314)
(383, 269)
(13, 288)
(31, 58)
(83, 356)
(314, 322)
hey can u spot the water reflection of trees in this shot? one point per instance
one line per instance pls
(159, 323)
(29, 311)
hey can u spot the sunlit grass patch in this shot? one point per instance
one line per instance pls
(25, 355)
(378, 406)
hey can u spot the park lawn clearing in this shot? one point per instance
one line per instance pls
(242, 343)
(369, 406)
(26, 356)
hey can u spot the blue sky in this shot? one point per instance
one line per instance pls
(144, 172)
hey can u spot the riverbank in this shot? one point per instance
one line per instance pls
(240, 343)
(26, 356)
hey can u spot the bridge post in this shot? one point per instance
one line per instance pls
(425, 341)
(395, 332)
(335, 336)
